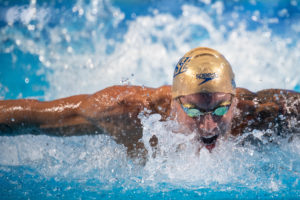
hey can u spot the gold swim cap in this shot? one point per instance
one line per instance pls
(202, 70)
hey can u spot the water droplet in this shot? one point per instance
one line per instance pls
(70, 49)
(80, 11)
(133, 15)
(254, 18)
(74, 9)
(294, 3)
(18, 42)
(31, 27)
(125, 81)
(283, 13)
(41, 58)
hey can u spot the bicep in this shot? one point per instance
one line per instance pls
(116, 109)
(113, 101)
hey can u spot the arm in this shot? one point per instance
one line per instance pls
(112, 110)
(273, 109)
(58, 117)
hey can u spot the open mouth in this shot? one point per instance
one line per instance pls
(209, 140)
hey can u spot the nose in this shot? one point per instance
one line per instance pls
(207, 124)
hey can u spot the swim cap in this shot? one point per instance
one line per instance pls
(202, 70)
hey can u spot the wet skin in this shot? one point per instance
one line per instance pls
(114, 111)
(208, 127)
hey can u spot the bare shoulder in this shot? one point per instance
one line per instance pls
(265, 109)
(278, 95)
(118, 99)
(277, 91)
(288, 101)
(268, 95)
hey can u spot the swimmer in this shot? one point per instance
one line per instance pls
(203, 99)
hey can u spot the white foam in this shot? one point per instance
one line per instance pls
(176, 162)
(71, 158)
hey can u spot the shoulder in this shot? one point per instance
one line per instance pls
(267, 95)
(261, 110)
(124, 97)
(268, 98)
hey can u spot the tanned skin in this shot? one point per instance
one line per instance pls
(114, 111)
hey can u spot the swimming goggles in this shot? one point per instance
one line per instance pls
(191, 111)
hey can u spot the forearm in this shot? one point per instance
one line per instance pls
(32, 113)
(16, 114)
(16, 111)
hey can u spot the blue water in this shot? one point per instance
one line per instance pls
(55, 49)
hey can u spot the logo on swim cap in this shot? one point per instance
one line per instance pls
(202, 70)
(181, 66)
(206, 77)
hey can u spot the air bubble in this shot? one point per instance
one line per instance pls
(26, 80)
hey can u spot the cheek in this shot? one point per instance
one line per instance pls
(184, 119)
(191, 124)
(225, 122)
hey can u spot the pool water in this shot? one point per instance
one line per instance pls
(56, 49)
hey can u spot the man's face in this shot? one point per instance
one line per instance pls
(208, 126)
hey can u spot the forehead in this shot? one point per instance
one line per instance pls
(206, 100)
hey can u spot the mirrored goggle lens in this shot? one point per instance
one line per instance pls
(222, 110)
(194, 112)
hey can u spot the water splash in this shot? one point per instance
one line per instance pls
(177, 162)
(83, 47)
(173, 164)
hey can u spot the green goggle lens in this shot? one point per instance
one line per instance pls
(194, 112)
(220, 111)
